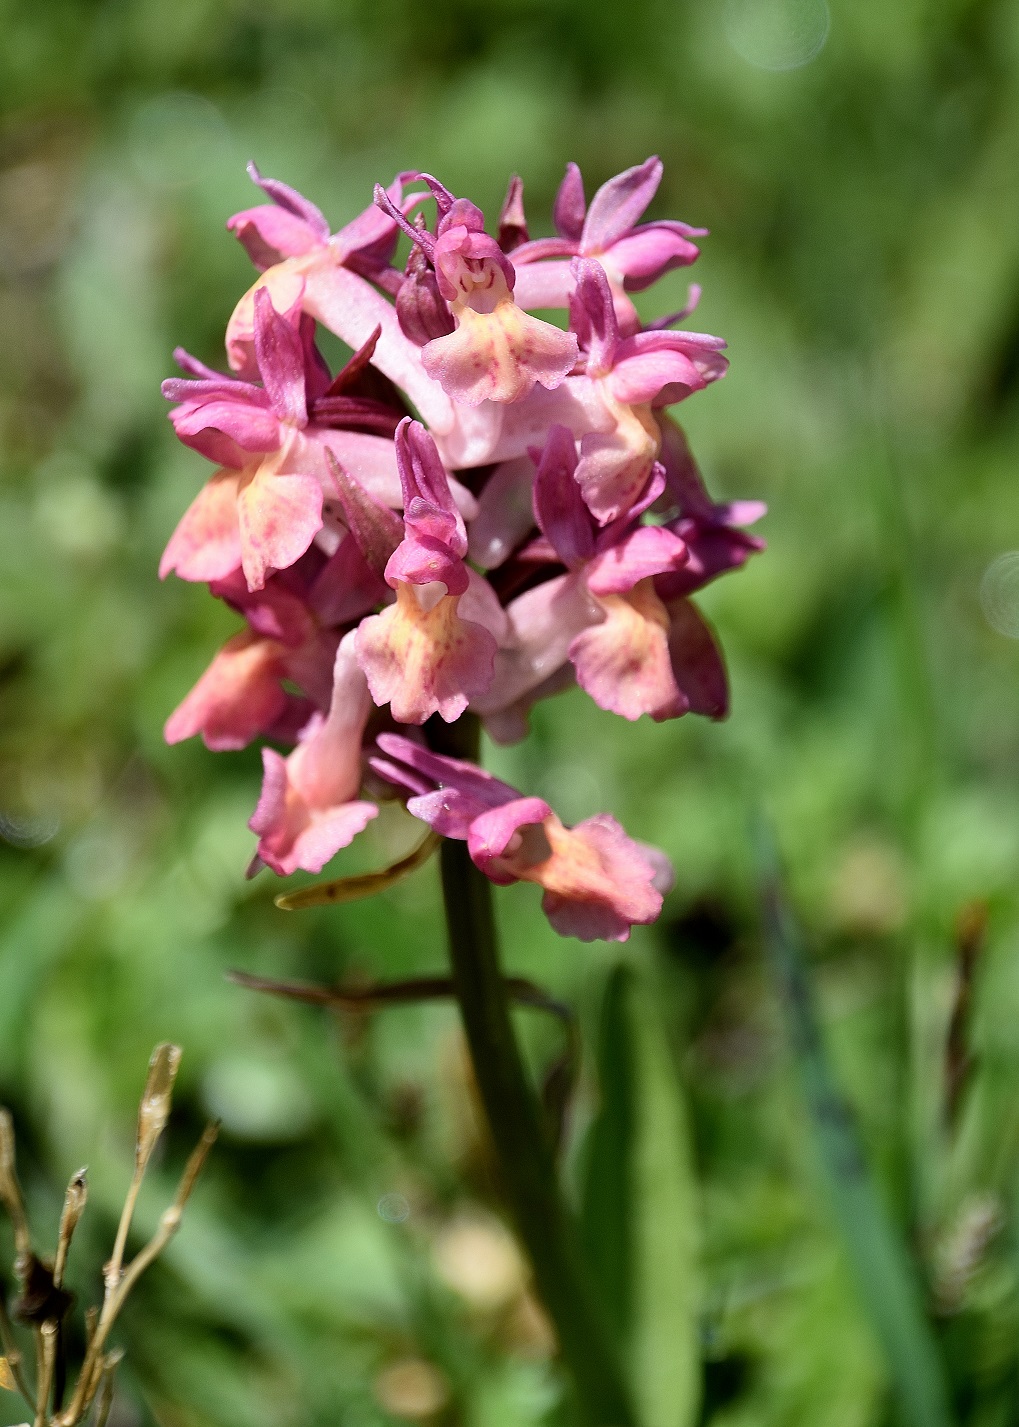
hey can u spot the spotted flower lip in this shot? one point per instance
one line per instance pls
(421, 655)
(480, 510)
(597, 881)
(496, 351)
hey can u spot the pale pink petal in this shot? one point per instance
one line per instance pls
(323, 836)
(624, 663)
(207, 544)
(284, 283)
(480, 605)
(499, 355)
(542, 624)
(599, 882)
(309, 807)
(279, 517)
(238, 697)
(511, 724)
(505, 514)
(544, 284)
(615, 465)
(424, 660)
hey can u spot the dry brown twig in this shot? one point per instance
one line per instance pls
(43, 1302)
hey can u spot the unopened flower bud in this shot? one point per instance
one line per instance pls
(422, 311)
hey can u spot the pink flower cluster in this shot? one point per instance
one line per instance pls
(480, 509)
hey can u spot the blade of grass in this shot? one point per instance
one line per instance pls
(639, 1218)
(886, 1277)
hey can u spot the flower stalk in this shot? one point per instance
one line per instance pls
(523, 1150)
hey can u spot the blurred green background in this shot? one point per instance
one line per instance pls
(342, 1262)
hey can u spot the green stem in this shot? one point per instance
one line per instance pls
(526, 1164)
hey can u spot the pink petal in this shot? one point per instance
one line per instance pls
(422, 661)
(649, 376)
(347, 587)
(279, 517)
(570, 204)
(279, 352)
(207, 543)
(559, 507)
(203, 425)
(270, 234)
(238, 697)
(649, 550)
(291, 201)
(499, 355)
(647, 254)
(624, 662)
(618, 204)
(492, 832)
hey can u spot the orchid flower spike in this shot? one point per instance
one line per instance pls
(477, 511)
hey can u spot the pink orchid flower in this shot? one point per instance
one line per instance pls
(291, 639)
(634, 375)
(424, 654)
(604, 615)
(264, 506)
(309, 806)
(597, 881)
(634, 255)
(495, 351)
(610, 403)
(330, 277)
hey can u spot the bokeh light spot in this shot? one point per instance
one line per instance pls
(777, 34)
(393, 1208)
(999, 594)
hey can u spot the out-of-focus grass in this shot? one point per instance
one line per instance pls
(864, 267)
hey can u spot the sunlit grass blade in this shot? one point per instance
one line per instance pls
(639, 1218)
(887, 1279)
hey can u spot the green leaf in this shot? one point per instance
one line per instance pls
(887, 1278)
(639, 1217)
